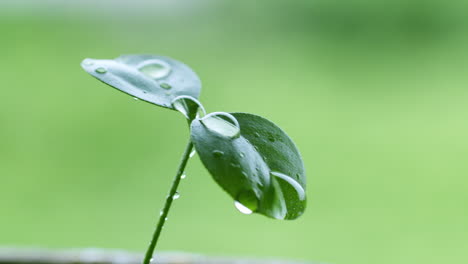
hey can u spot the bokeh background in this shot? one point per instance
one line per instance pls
(374, 93)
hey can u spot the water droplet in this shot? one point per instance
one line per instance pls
(165, 86)
(221, 126)
(165, 219)
(151, 260)
(155, 69)
(176, 196)
(283, 178)
(245, 174)
(183, 176)
(242, 208)
(136, 99)
(101, 70)
(257, 134)
(218, 153)
(88, 62)
(246, 202)
(187, 105)
(161, 212)
(192, 153)
(242, 154)
(235, 165)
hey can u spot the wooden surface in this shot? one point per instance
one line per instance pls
(97, 256)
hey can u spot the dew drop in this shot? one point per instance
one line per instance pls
(257, 134)
(187, 105)
(246, 202)
(165, 219)
(242, 154)
(243, 209)
(218, 153)
(101, 70)
(183, 176)
(88, 62)
(161, 212)
(283, 178)
(155, 69)
(151, 260)
(136, 99)
(166, 86)
(215, 123)
(192, 153)
(176, 196)
(235, 165)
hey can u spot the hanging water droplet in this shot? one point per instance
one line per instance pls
(192, 153)
(165, 86)
(221, 126)
(160, 212)
(183, 176)
(165, 219)
(242, 208)
(247, 202)
(187, 105)
(101, 70)
(218, 153)
(155, 69)
(176, 196)
(151, 260)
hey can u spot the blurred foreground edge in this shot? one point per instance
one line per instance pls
(99, 256)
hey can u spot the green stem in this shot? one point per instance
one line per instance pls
(167, 205)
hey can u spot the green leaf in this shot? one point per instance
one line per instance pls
(254, 161)
(155, 79)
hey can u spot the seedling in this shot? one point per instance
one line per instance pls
(251, 158)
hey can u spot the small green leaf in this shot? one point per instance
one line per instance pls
(155, 79)
(254, 161)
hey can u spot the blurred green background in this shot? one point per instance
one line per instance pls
(374, 93)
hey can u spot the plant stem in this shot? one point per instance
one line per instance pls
(167, 205)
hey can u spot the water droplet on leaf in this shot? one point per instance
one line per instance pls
(187, 105)
(88, 62)
(155, 69)
(176, 196)
(283, 178)
(218, 153)
(165, 86)
(215, 123)
(101, 70)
